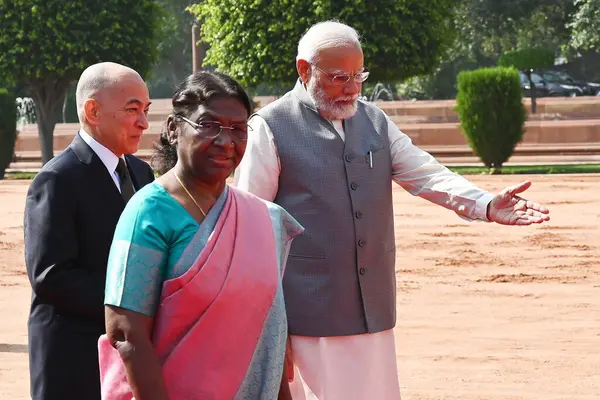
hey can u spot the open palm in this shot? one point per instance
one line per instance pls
(507, 208)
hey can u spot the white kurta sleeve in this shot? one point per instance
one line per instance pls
(258, 172)
(421, 175)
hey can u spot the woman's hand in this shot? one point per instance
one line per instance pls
(129, 332)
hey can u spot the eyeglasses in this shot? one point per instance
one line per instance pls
(341, 79)
(212, 129)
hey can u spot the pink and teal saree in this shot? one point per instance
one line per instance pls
(214, 290)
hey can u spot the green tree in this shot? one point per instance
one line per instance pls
(256, 40)
(547, 27)
(488, 28)
(585, 26)
(174, 61)
(491, 112)
(492, 27)
(46, 44)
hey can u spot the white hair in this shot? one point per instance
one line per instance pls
(326, 35)
(94, 79)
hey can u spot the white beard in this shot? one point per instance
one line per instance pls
(331, 107)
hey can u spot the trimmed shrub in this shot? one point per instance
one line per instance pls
(527, 59)
(8, 129)
(491, 112)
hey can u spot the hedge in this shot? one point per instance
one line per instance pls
(492, 116)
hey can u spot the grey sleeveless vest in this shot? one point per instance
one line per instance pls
(340, 276)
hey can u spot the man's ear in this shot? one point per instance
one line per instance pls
(304, 70)
(91, 109)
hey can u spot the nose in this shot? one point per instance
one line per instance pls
(143, 121)
(352, 87)
(224, 138)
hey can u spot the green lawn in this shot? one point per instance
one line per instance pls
(19, 175)
(533, 169)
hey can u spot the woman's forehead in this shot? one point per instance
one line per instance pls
(222, 108)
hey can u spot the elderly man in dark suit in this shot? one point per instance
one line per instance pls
(71, 212)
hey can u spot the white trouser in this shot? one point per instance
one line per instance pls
(358, 367)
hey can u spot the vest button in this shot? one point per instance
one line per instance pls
(361, 242)
(362, 271)
(353, 186)
(359, 215)
(348, 158)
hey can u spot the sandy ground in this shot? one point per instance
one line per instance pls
(484, 311)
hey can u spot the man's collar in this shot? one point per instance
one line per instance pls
(108, 158)
(302, 94)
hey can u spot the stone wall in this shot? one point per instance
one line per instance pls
(558, 121)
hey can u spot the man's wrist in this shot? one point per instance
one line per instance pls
(482, 207)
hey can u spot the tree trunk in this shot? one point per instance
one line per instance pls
(49, 96)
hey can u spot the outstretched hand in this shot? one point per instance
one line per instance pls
(507, 208)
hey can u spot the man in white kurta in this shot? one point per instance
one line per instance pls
(362, 366)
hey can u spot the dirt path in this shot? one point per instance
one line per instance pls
(484, 311)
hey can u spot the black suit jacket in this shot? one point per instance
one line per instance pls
(71, 212)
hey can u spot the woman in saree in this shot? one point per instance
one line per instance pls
(194, 300)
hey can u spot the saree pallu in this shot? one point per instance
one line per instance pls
(210, 319)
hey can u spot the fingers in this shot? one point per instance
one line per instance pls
(537, 206)
(537, 214)
(537, 211)
(531, 217)
(521, 187)
(523, 204)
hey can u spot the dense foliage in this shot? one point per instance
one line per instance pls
(46, 44)
(491, 112)
(256, 40)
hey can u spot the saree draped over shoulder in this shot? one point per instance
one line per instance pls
(209, 320)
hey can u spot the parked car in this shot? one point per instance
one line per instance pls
(540, 86)
(548, 86)
(588, 88)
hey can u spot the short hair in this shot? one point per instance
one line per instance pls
(96, 78)
(197, 89)
(325, 35)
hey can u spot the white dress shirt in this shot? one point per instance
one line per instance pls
(108, 158)
(412, 168)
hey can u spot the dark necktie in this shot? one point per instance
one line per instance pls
(127, 189)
